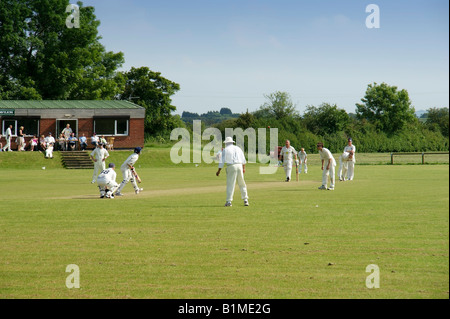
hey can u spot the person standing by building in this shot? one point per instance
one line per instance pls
(328, 167)
(67, 132)
(303, 159)
(234, 157)
(351, 149)
(127, 167)
(8, 135)
(288, 152)
(98, 155)
(21, 139)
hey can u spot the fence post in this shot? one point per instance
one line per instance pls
(392, 158)
(423, 158)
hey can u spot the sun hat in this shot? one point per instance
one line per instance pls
(228, 140)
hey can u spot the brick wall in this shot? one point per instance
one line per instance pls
(134, 139)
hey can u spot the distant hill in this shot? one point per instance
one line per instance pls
(210, 117)
(420, 113)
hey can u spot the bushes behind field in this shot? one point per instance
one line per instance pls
(415, 137)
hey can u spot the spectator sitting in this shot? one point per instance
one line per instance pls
(72, 142)
(103, 141)
(83, 142)
(94, 140)
(42, 144)
(62, 142)
(34, 144)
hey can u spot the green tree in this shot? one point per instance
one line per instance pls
(152, 91)
(387, 107)
(41, 58)
(245, 120)
(440, 118)
(225, 111)
(278, 105)
(325, 119)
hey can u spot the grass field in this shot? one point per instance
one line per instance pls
(176, 240)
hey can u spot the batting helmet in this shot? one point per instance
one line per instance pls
(111, 165)
(137, 150)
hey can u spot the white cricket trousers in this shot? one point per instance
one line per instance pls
(110, 185)
(127, 177)
(234, 172)
(288, 169)
(8, 145)
(351, 170)
(330, 173)
(99, 166)
(343, 169)
(301, 164)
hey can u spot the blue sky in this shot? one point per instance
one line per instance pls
(227, 53)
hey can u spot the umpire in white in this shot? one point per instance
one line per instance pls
(234, 157)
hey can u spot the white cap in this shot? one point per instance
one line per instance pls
(228, 140)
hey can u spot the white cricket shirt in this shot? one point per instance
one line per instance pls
(231, 155)
(107, 175)
(351, 148)
(99, 154)
(326, 155)
(288, 153)
(131, 160)
(302, 155)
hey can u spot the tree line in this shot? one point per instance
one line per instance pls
(384, 121)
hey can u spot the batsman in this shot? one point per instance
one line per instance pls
(128, 172)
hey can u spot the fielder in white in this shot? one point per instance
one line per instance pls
(288, 152)
(106, 182)
(127, 173)
(329, 169)
(8, 135)
(303, 159)
(351, 149)
(343, 166)
(50, 142)
(98, 155)
(234, 157)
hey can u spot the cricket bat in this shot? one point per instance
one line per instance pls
(296, 172)
(136, 176)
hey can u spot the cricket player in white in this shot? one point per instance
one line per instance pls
(351, 149)
(343, 166)
(50, 142)
(106, 182)
(303, 159)
(127, 173)
(328, 170)
(234, 157)
(98, 155)
(288, 153)
(8, 135)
